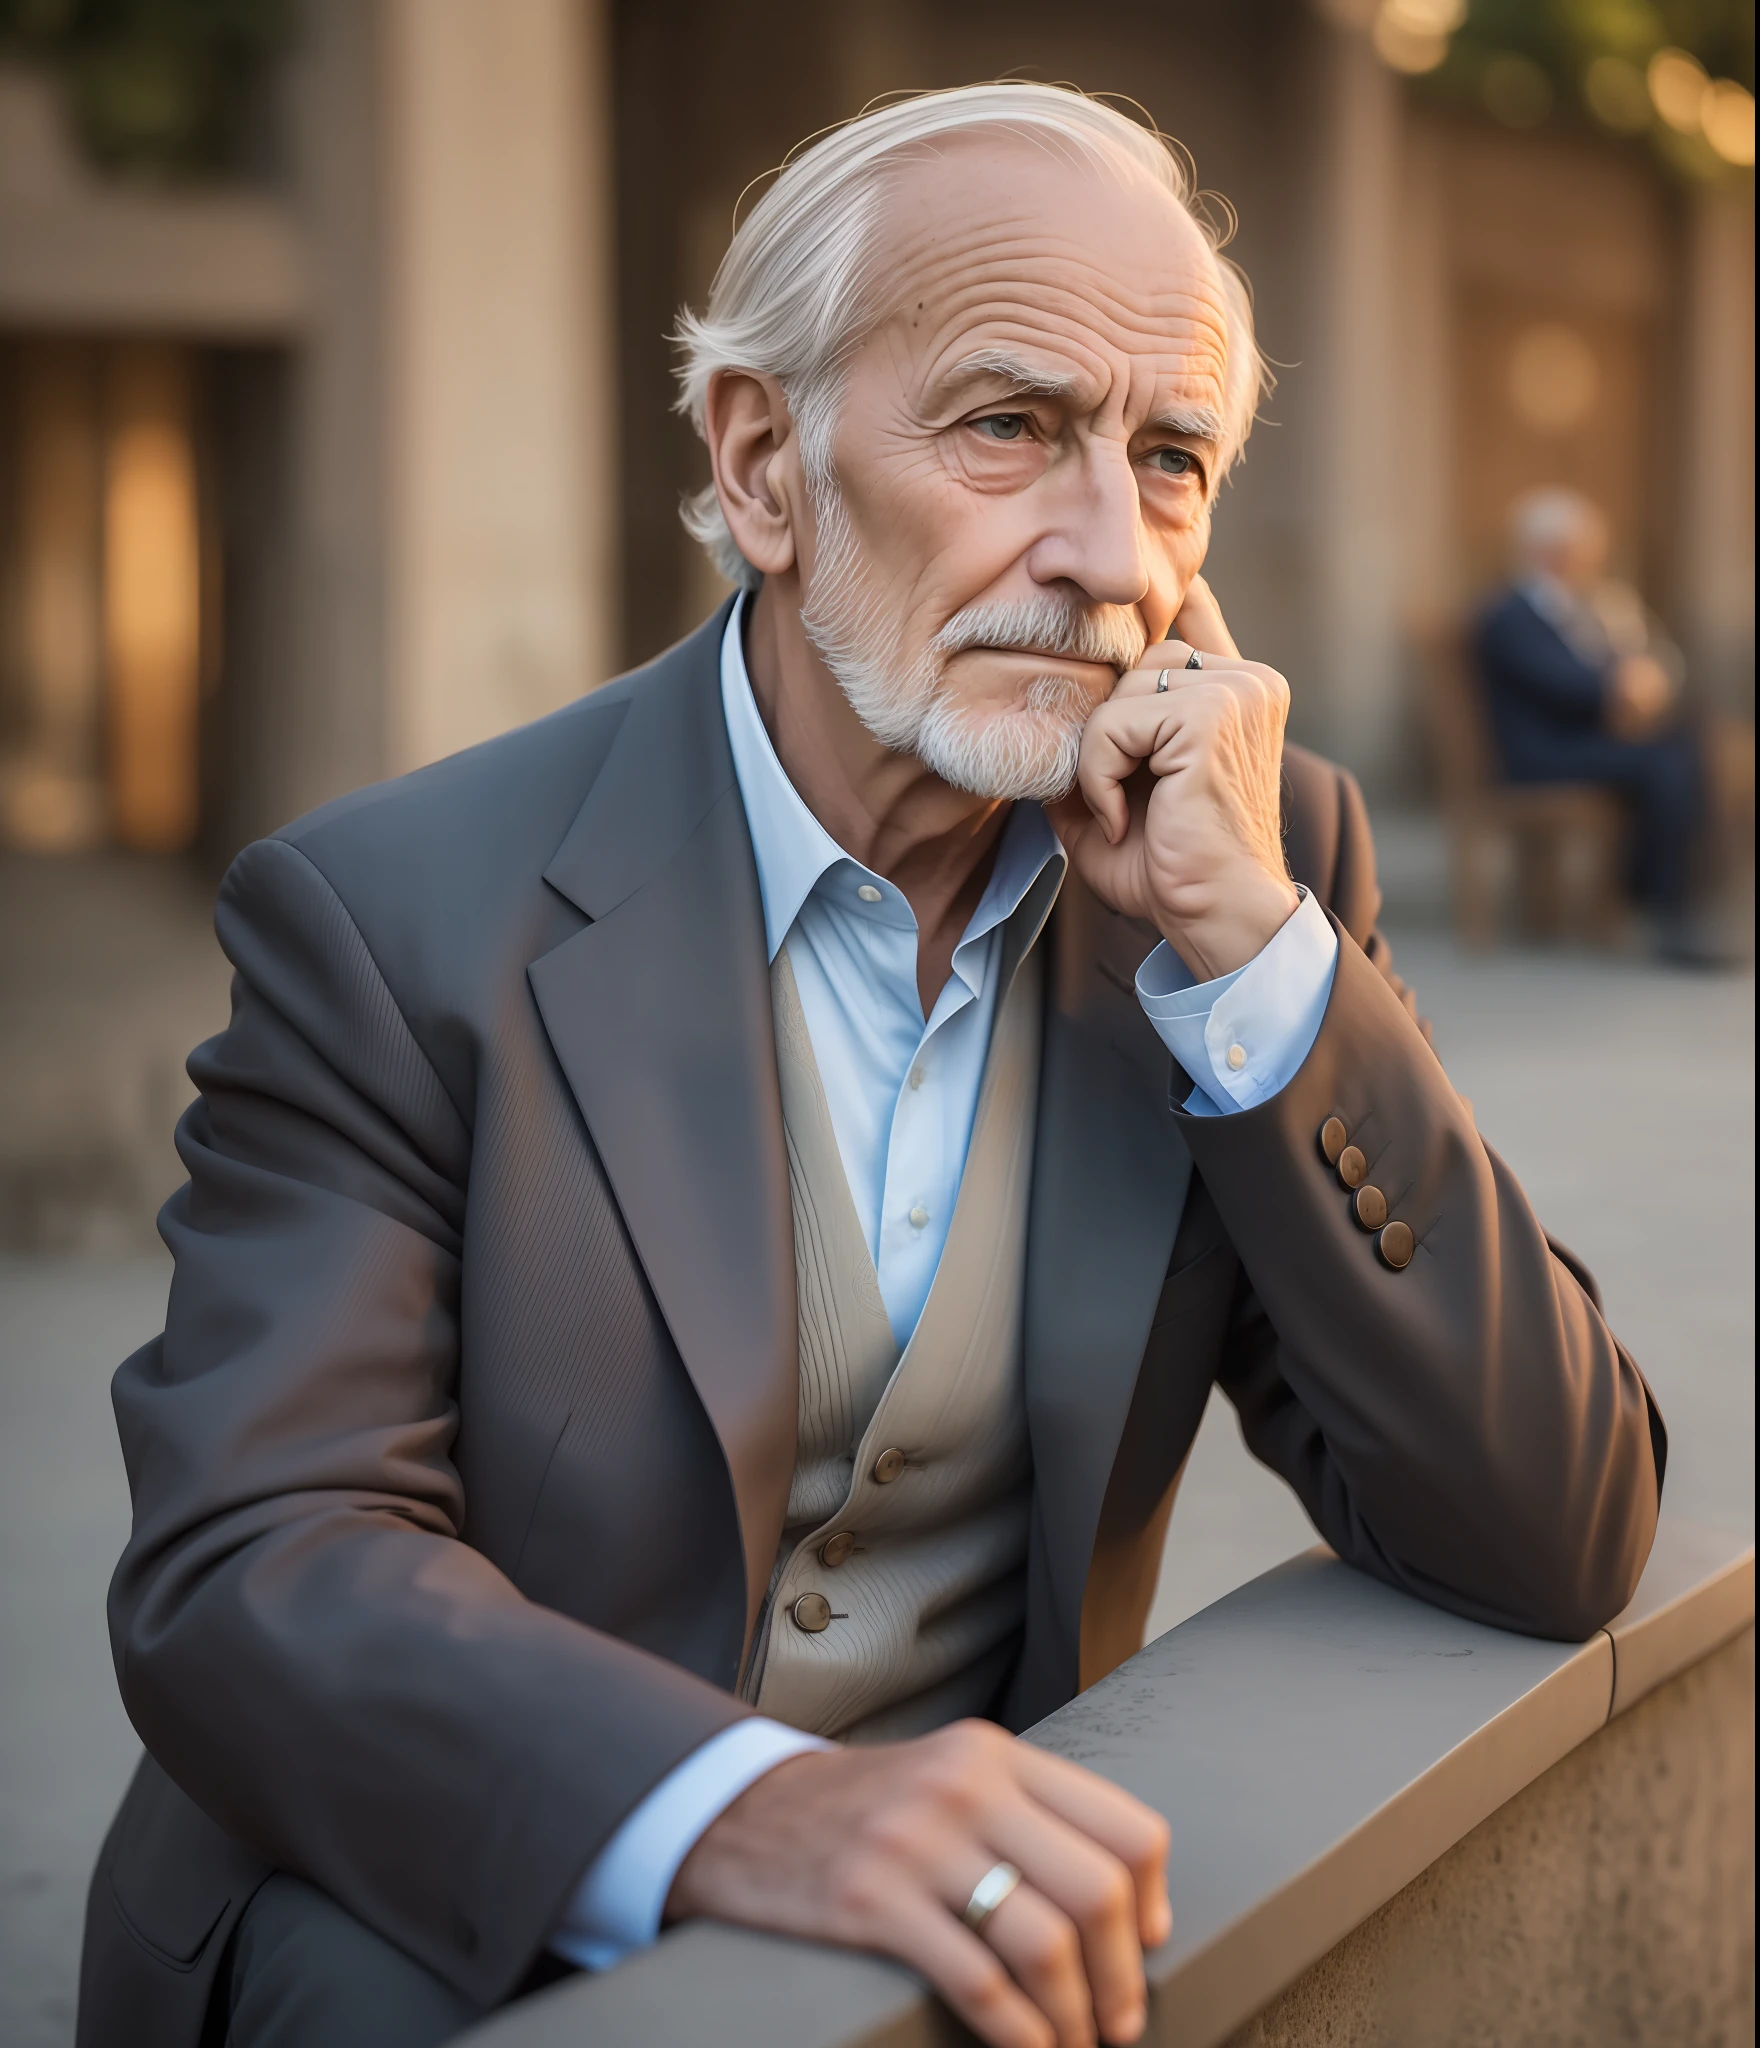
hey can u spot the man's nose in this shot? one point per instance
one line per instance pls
(1094, 532)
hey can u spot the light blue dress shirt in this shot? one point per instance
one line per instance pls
(903, 1091)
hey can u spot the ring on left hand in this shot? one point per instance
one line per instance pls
(988, 1893)
(1161, 676)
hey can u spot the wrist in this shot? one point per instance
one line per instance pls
(1233, 921)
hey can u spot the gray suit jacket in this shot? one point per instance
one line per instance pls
(460, 1466)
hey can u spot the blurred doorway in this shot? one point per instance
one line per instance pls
(1565, 261)
(103, 577)
(1548, 397)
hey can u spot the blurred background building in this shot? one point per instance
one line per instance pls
(335, 425)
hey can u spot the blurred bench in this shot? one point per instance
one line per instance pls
(1388, 1824)
(1566, 838)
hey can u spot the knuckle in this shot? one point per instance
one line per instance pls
(1104, 1898)
(946, 1782)
(1114, 1894)
(971, 1743)
(1054, 1949)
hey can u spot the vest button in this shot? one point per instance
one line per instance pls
(812, 1612)
(835, 1550)
(888, 1466)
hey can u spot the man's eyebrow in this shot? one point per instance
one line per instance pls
(1027, 379)
(1191, 422)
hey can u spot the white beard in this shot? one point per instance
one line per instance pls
(1027, 749)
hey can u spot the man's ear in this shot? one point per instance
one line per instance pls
(752, 451)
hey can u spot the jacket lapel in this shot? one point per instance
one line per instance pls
(659, 1013)
(1110, 1176)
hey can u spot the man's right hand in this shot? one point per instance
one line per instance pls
(881, 1848)
(1638, 697)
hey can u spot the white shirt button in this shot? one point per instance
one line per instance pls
(1237, 1057)
(916, 1077)
(868, 893)
(919, 1216)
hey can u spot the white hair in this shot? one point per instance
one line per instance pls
(1551, 517)
(795, 293)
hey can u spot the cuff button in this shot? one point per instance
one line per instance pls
(1396, 1246)
(1353, 1168)
(1333, 1137)
(1369, 1206)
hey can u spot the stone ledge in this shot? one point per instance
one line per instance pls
(1318, 1740)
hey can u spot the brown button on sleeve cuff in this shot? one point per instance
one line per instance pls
(1353, 1168)
(1396, 1245)
(1369, 1206)
(1332, 1140)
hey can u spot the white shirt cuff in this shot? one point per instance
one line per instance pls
(617, 1906)
(1244, 1036)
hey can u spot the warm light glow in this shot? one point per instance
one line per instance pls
(1407, 49)
(152, 610)
(1726, 112)
(1426, 17)
(1617, 95)
(1677, 84)
(1554, 379)
(52, 798)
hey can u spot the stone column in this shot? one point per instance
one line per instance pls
(1351, 407)
(500, 381)
(1716, 578)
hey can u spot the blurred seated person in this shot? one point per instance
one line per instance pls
(1583, 686)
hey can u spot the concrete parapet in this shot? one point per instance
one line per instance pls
(1390, 1825)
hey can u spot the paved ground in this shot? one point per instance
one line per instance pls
(1623, 1096)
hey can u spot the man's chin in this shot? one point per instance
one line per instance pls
(1020, 757)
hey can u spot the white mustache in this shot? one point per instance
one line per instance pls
(1107, 634)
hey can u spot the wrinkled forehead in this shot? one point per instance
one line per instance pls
(992, 244)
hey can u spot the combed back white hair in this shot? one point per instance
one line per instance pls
(1551, 517)
(796, 291)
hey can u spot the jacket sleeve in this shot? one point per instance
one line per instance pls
(302, 1639)
(1523, 657)
(1467, 1428)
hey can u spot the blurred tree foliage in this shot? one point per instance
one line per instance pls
(1526, 61)
(159, 88)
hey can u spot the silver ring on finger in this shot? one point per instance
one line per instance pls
(1194, 659)
(988, 1893)
(1161, 676)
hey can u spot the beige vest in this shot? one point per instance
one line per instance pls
(926, 1582)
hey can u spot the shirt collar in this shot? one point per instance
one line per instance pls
(795, 853)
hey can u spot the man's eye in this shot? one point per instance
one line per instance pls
(1002, 426)
(1173, 462)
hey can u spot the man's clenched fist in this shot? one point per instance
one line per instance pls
(1176, 815)
(881, 1848)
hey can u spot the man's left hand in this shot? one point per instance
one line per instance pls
(1177, 815)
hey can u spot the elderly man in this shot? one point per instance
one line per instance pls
(1581, 689)
(715, 1219)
